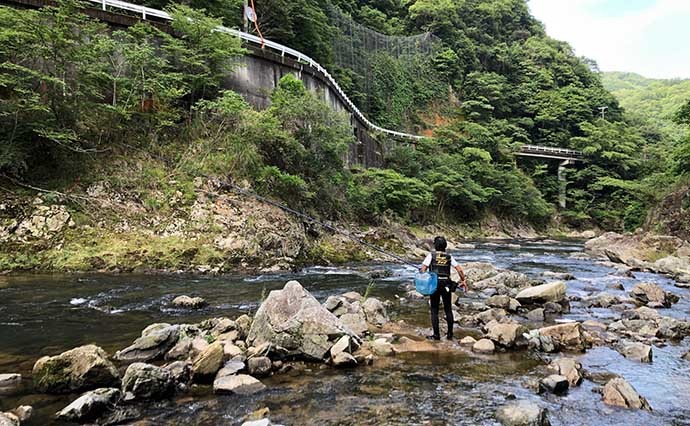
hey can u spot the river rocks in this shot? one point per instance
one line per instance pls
(344, 359)
(507, 335)
(294, 320)
(560, 276)
(154, 342)
(240, 384)
(551, 292)
(381, 347)
(504, 282)
(652, 295)
(85, 367)
(601, 300)
(503, 302)
(146, 381)
(569, 368)
(569, 335)
(9, 383)
(468, 340)
(244, 324)
(636, 351)
(189, 302)
(23, 412)
(478, 271)
(554, 383)
(209, 361)
(484, 346)
(259, 366)
(181, 372)
(230, 368)
(90, 405)
(536, 315)
(375, 312)
(620, 393)
(45, 222)
(9, 419)
(522, 413)
(672, 265)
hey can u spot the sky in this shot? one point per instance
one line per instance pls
(648, 37)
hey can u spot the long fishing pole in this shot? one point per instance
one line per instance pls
(227, 184)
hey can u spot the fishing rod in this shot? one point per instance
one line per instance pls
(229, 185)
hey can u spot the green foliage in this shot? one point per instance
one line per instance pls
(376, 191)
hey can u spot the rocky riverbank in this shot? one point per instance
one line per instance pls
(506, 312)
(208, 229)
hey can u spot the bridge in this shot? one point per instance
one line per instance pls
(268, 61)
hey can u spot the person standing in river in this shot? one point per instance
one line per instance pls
(440, 262)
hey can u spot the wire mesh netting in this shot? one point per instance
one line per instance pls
(359, 49)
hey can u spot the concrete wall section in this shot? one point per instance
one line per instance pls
(258, 73)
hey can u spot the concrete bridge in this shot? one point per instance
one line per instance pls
(258, 73)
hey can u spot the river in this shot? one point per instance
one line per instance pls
(45, 315)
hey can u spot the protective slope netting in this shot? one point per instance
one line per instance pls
(363, 51)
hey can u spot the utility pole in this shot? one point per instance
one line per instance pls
(244, 16)
(603, 112)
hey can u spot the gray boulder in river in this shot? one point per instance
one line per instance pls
(90, 405)
(522, 413)
(293, 321)
(620, 393)
(154, 342)
(146, 381)
(85, 367)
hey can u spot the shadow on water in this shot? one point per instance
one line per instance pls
(45, 315)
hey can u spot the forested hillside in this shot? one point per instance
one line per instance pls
(655, 100)
(145, 111)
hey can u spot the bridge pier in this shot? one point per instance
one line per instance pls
(563, 182)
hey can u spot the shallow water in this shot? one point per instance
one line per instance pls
(45, 315)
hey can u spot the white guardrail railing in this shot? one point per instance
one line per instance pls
(146, 12)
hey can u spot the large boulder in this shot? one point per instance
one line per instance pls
(478, 271)
(653, 295)
(522, 413)
(9, 419)
(82, 368)
(484, 346)
(507, 335)
(154, 342)
(240, 384)
(620, 393)
(293, 320)
(634, 250)
(90, 405)
(569, 335)
(146, 381)
(551, 292)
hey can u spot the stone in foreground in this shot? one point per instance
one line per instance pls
(522, 413)
(652, 295)
(295, 321)
(154, 342)
(569, 335)
(620, 393)
(240, 384)
(90, 405)
(568, 367)
(85, 367)
(8, 419)
(552, 292)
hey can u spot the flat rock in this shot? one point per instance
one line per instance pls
(620, 393)
(241, 384)
(90, 405)
(522, 413)
(507, 335)
(382, 347)
(636, 351)
(154, 342)
(375, 312)
(231, 367)
(10, 382)
(536, 315)
(344, 359)
(652, 295)
(85, 367)
(569, 335)
(551, 292)
(468, 340)
(209, 361)
(484, 346)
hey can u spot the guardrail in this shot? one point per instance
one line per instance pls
(147, 12)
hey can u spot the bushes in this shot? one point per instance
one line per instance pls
(375, 191)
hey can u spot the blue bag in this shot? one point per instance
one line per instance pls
(426, 282)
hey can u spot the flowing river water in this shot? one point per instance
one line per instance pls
(46, 315)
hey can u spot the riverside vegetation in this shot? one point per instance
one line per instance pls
(126, 136)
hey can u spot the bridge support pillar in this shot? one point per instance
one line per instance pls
(562, 182)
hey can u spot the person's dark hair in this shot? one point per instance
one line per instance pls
(440, 243)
